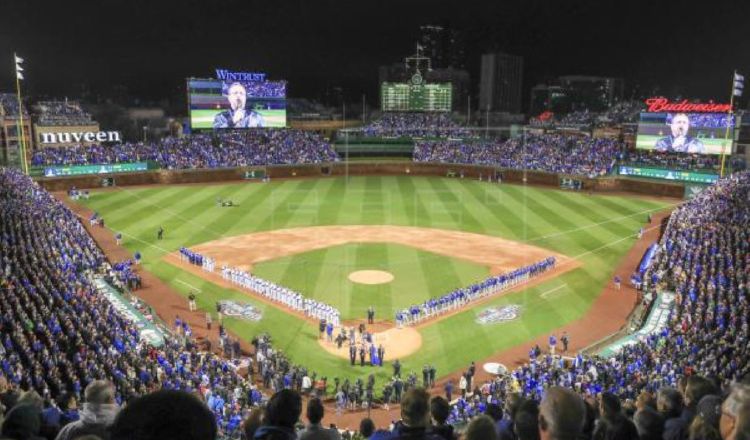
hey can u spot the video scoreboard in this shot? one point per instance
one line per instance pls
(416, 96)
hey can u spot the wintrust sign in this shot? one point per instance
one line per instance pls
(88, 136)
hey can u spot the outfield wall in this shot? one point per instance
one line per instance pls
(169, 177)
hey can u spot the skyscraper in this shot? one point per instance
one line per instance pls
(500, 82)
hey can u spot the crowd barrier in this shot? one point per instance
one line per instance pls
(390, 168)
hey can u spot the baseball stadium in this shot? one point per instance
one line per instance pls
(259, 265)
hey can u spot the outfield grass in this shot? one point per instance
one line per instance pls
(323, 275)
(595, 229)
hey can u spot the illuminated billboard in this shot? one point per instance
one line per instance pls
(691, 133)
(231, 103)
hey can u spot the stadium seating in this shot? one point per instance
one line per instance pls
(551, 153)
(411, 125)
(57, 333)
(222, 150)
(61, 113)
(704, 258)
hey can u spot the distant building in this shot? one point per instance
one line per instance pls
(576, 93)
(443, 45)
(500, 83)
(593, 93)
(545, 97)
(10, 135)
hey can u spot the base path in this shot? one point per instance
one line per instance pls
(499, 254)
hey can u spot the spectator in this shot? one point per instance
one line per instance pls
(561, 415)
(649, 423)
(613, 425)
(526, 422)
(705, 424)
(314, 430)
(165, 414)
(98, 414)
(481, 428)
(732, 413)
(366, 429)
(439, 411)
(22, 422)
(253, 421)
(282, 412)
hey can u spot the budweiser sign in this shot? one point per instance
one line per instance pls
(660, 105)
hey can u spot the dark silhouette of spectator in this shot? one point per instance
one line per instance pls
(165, 414)
(440, 409)
(314, 430)
(252, 422)
(526, 422)
(649, 423)
(481, 428)
(22, 422)
(282, 413)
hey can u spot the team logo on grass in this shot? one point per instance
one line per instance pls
(499, 314)
(240, 310)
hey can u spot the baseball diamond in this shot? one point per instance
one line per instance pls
(314, 249)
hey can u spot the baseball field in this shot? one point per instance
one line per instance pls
(421, 236)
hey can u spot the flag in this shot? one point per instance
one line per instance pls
(19, 69)
(739, 84)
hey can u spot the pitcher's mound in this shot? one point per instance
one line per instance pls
(371, 277)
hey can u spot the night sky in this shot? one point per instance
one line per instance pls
(150, 47)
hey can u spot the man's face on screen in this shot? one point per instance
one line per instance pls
(237, 97)
(680, 125)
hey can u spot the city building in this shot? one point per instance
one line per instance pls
(501, 78)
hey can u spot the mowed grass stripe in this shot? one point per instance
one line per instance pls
(453, 200)
(420, 216)
(249, 204)
(133, 208)
(549, 214)
(574, 202)
(579, 217)
(486, 198)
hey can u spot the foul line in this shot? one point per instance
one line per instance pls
(542, 237)
(188, 284)
(545, 294)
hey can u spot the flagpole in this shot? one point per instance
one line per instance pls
(729, 123)
(24, 164)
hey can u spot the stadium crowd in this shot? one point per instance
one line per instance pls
(217, 150)
(704, 257)
(409, 125)
(61, 113)
(58, 335)
(549, 152)
(681, 161)
(61, 342)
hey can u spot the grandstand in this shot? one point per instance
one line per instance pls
(54, 113)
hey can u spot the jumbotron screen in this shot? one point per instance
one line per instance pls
(692, 133)
(416, 96)
(219, 104)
